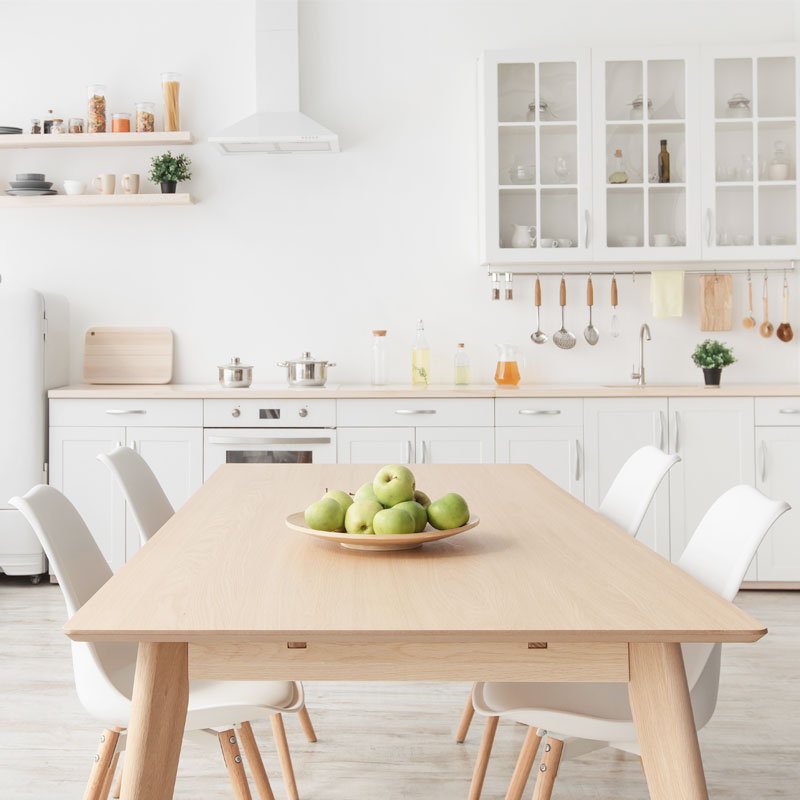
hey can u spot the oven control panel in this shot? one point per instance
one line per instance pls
(250, 413)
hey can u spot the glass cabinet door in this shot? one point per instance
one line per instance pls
(536, 156)
(646, 175)
(750, 160)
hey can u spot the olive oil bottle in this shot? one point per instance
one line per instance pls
(663, 163)
(420, 358)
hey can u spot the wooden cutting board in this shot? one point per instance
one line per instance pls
(128, 355)
(716, 302)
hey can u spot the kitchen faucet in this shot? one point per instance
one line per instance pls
(639, 376)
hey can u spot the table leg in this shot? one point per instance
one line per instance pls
(662, 712)
(158, 717)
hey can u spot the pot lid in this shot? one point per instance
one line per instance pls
(738, 101)
(305, 358)
(235, 363)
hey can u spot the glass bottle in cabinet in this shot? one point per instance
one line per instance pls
(778, 169)
(461, 366)
(618, 173)
(420, 358)
(378, 371)
(663, 163)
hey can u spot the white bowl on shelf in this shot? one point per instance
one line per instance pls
(74, 187)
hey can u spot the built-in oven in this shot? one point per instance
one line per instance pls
(268, 432)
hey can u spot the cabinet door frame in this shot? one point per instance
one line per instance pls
(346, 436)
(690, 55)
(491, 254)
(572, 435)
(484, 434)
(711, 250)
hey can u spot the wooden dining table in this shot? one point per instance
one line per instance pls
(544, 589)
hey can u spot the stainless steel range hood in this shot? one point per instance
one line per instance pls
(278, 127)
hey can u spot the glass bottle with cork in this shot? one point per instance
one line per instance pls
(663, 163)
(461, 365)
(378, 358)
(618, 173)
(420, 358)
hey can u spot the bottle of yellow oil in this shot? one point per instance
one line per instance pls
(461, 362)
(420, 358)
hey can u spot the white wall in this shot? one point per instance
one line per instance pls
(284, 254)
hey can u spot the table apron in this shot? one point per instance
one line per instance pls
(410, 661)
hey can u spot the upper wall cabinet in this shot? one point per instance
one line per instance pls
(536, 153)
(646, 154)
(749, 107)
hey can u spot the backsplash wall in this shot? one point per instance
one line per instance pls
(286, 254)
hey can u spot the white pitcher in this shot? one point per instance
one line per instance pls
(524, 236)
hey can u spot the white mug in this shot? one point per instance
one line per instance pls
(629, 240)
(130, 183)
(105, 183)
(664, 240)
(549, 242)
(564, 242)
(74, 187)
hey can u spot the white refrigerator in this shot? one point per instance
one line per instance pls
(29, 363)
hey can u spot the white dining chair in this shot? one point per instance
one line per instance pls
(578, 718)
(625, 504)
(104, 671)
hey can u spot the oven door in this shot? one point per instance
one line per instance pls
(267, 446)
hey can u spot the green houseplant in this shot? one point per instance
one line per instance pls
(168, 170)
(711, 356)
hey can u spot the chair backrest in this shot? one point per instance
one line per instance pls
(632, 491)
(718, 555)
(146, 499)
(103, 671)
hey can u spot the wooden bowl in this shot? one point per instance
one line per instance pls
(357, 541)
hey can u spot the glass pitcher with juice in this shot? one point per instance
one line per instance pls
(508, 361)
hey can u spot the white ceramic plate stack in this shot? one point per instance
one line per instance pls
(30, 184)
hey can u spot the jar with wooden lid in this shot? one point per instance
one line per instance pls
(378, 358)
(97, 108)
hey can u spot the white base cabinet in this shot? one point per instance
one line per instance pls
(375, 446)
(614, 430)
(455, 445)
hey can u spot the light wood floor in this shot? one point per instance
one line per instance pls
(393, 741)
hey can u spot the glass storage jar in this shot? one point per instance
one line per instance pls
(120, 122)
(778, 169)
(145, 117)
(76, 125)
(97, 108)
(57, 126)
(36, 126)
(170, 89)
(378, 371)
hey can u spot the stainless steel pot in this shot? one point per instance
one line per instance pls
(235, 375)
(306, 370)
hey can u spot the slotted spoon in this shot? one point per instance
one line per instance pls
(562, 337)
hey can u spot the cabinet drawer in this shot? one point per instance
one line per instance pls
(540, 411)
(249, 413)
(415, 411)
(777, 410)
(130, 413)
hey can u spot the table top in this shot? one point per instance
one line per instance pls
(541, 566)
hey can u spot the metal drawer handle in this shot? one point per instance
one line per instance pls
(790, 411)
(268, 440)
(535, 412)
(126, 411)
(415, 411)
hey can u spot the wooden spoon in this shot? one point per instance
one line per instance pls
(767, 327)
(749, 321)
(785, 332)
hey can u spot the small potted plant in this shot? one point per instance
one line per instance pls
(167, 170)
(712, 356)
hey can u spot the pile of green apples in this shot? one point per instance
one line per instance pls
(390, 504)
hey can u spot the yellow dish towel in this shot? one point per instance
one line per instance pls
(666, 292)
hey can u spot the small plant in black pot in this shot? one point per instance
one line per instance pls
(168, 170)
(711, 356)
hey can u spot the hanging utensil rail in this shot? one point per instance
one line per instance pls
(632, 272)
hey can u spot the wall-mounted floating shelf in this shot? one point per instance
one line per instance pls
(66, 200)
(155, 139)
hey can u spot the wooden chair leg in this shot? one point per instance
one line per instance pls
(229, 743)
(524, 764)
(483, 758)
(117, 790)
(102, 762)
(105, 791)
(548, 769)
(305, 721)
(255, 762)
(466, 718)
(282, 746)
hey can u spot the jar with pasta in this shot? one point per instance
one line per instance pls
(145, 117)
(97, 108)
(170, 88)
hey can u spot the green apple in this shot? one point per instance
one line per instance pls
(359, 516)
(393, 521)
(394, 484)
(342, 498)
(422, 498)
(448, 512)
(325, 515)
(417, 514)
(366, 492)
